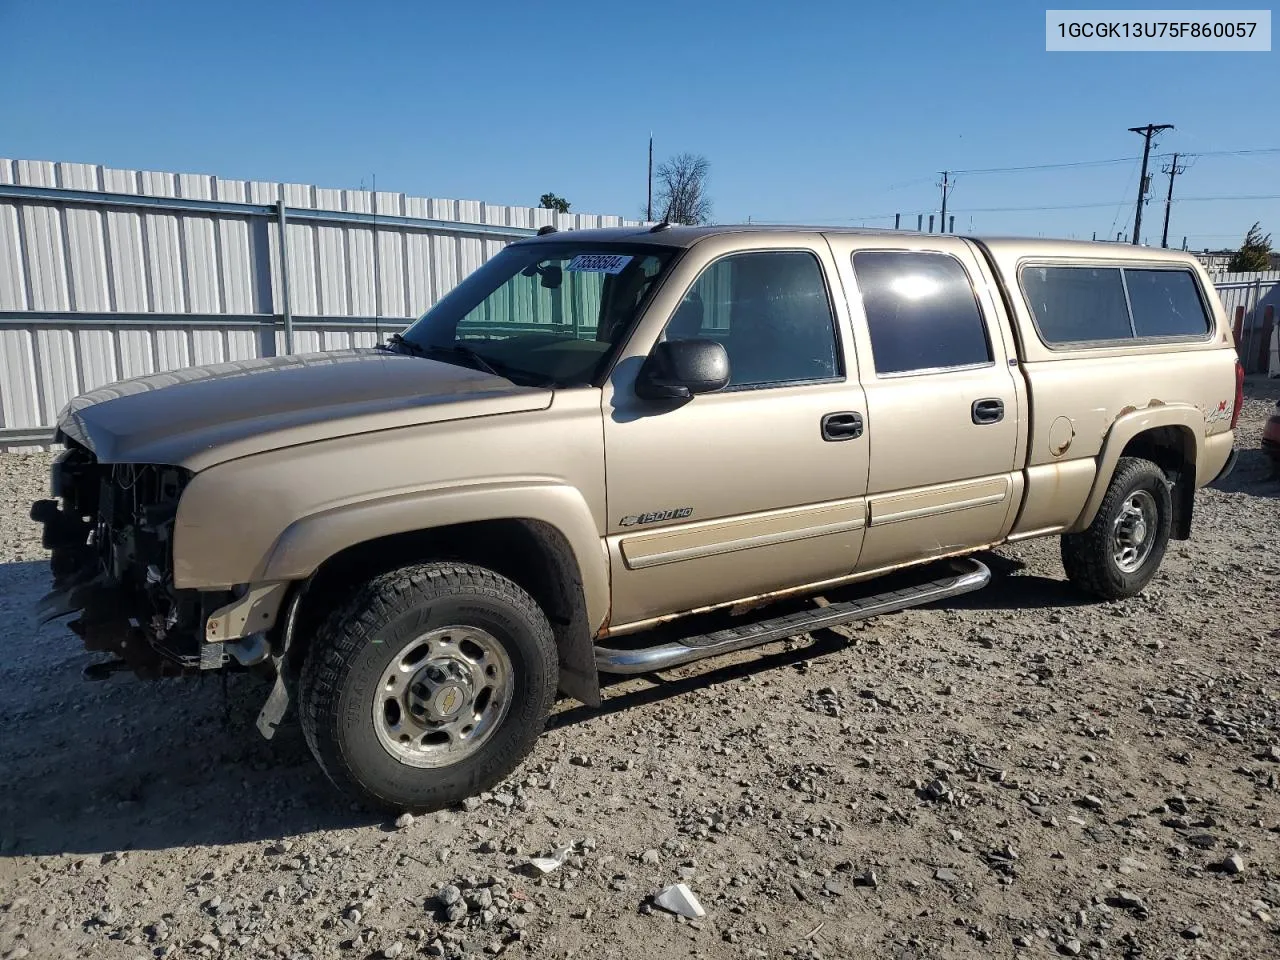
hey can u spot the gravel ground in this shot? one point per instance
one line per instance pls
(1014, 773)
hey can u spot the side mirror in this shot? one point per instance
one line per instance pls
(678, 369)
(552, 276)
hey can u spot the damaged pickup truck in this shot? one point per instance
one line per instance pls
(618, 451)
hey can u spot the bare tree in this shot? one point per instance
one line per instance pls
(681, 189)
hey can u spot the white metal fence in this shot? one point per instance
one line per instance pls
(107, 274)
(1252, 302)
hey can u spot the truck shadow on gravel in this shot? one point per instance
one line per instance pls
(122, 764)
(1254, 474)
(1009, 589)
(91, 768)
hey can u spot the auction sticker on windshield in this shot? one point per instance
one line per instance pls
(598, 263)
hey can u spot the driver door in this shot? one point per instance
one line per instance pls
(755, 488)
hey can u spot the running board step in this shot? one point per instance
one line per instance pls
(970, 575)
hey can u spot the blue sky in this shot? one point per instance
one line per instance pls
(807, 111)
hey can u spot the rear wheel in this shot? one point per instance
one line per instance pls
(429, 686)
(1121, 550)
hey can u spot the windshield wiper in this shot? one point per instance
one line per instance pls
(456, 349)
(395, 340)
(474, 356)
(462, 350)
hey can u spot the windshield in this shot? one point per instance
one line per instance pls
(545, 313)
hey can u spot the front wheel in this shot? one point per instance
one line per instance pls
(429, 686)
(1120, 551)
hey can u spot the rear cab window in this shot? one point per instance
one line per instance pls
(1075, 304)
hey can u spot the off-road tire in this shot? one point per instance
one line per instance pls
(1088, 556)
(362, 636)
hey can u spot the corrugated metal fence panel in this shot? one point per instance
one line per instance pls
(1265, 276)
(205, 275)
(19, 385)
(76, 258)
(1256, 297)
(13, 284)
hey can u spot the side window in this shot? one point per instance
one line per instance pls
(771, 311)
(1073, 305)
(1077, 304)
(1165, 303)
(921, 312)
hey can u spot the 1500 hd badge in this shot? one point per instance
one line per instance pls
(677, 513)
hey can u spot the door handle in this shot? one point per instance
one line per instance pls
(845, 425)
(990, 410)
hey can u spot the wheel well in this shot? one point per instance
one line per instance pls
(1173, 450)
(532, 553)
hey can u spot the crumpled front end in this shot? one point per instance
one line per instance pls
(109, 530)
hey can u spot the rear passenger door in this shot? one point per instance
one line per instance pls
(944, 405)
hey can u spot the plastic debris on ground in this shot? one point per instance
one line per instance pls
(553, 862)
(679, 899)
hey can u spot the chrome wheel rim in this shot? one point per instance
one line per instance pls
(1133, 534)
(442, 696)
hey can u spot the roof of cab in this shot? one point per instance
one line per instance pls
(675, 235)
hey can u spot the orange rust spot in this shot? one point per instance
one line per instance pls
(608, 615)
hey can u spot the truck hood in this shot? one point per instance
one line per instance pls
(199, 416)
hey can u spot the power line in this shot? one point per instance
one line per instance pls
(1227, 153)
(1102, 163)
(1045, 166)
(818, 221)
(908, 183)
(1257, 196)
(1083, 206)
(1121, 205)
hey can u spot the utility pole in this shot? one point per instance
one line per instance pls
(648, 210)
(1149, 131)
(1172, 170)
(945, 185)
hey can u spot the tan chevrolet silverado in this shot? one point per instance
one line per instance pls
(617, 451)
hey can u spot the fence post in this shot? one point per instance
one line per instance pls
(1267, 324)
(284, 279)
(1253, 323)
